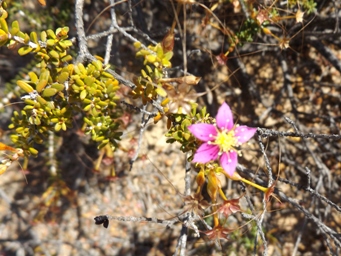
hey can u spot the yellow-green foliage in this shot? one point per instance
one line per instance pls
(149, 85)
(59, 90)
(179, 131)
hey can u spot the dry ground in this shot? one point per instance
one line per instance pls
(54, 215)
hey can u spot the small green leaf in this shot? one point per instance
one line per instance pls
(87, 107)
(99, 138)
(4, 14)
(42, 101)
(142, 53)
(41, 55)
(66, 58)
(160, 91)
(65, 44)
(14, 138)
(79, 82)
(58, 87)
(159, 51)
(34, 120)
(15, 28)
(63, 126)
(54, 54)
(57, 127)
(34, 37)
(51, 34)
(33, 77)
(33, 151)
(50, 105)
(49, 92)
(81, 69)
(88, 122)
(51, 42)
(63, 77)
(102, 104)
(168, 55)
(83, 94)
(3, 25)
(137, 45)
(149, 69)
(96, 73)
(185, 123)
(25, 86)
(54, 120)
(107, 75)
(25, 50)
(30, 102)
(89, 80)
(166, 63)
(26, 38)
(29, 107)
(143, 73)
(3, 37)
(187, 136)
(103, 143)
(43, 36)
(43, 80)
(58, 47)
(151, 58)
(98, 64)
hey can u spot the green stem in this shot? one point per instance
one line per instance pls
(263, 189)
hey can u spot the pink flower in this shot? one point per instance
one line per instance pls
(221, 140)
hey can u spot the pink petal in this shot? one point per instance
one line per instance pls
(229, 162)
(203, 132)
(243, 133)
(224, 117)
(206, 153)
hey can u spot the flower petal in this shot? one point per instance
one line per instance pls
(243, 133)
(229, 162)
(224, 117)
(203, 132)
(206, 153)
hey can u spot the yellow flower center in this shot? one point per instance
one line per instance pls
(226, 140)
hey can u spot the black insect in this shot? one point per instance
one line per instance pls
(103, 219)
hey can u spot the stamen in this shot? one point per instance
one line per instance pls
(226, 140)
